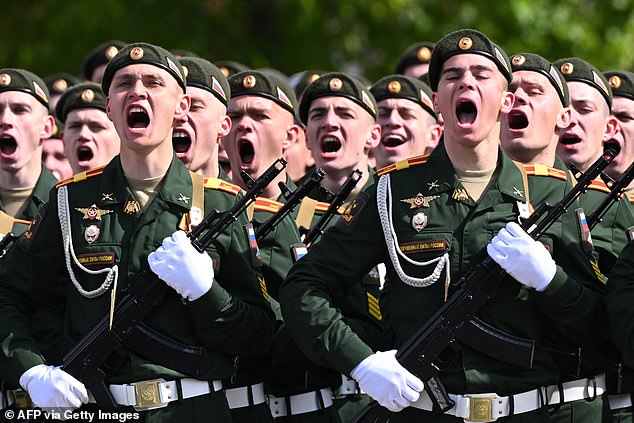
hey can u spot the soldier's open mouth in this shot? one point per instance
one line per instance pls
(138, 118)
(84, 154)
(247, 151)
(466, 112)
(393, 140)
(330, 145)
(517, 120)
(8, 145)
(569, 140)
(181, 142)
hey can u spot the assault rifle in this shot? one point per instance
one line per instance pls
(616, 191)
(424, 353)
(89, 362)
(5, 242)
(292, 200)
(310, 235)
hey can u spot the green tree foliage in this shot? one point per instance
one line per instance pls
(362, 36)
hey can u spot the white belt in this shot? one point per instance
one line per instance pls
(348, 387)
(300, 403)
(239, 397)
(619, 401)
(487, 407)
(574, 390)
(157, 393)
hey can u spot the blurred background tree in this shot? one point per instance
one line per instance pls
(363, 36)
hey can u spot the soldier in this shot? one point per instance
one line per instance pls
(341, 129)
(469, 195)
(581, 142)
(94, 64)
(620, 378)
(414, 61)
(196, 137)
(24, 124)
(529, 136)
(90, 138)
(57, 84)
(53, 156)
(115, 216)
(622, 84)
(409, 125)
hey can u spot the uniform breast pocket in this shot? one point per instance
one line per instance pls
(94, 262)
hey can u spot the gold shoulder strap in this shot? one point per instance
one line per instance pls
(525, 182)
(306, 212)
(6, 223)
(197, 211)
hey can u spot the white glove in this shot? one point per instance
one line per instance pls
(182, 267)
(51, 388)
(383, 378)
(522, 257)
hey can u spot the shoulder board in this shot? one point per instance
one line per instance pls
(403, 164)
(219, 184)
(542, 170)
(599, 185)
(80, 176)
(267, 205)
(630, 197)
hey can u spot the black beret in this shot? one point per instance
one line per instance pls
(81, 96)
(303, 79)
(337, 84)
(230, 67)
(23, 80)
(466, 41)
(267, 85)
(416, 54)
(536, 63)
(57, 83)
(179, 52)
(401, 86)
(621, 82)
(201, 73)
(100, 55)
(575, 69)
(145, 53)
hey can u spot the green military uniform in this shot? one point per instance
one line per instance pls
(457, 226)
(620, 378)
(619, 300)
(231, 321)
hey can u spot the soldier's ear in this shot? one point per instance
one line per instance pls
(48, 128)
(564, 118)
(611, 128)
(292, 135)
(507, 101)
(225, 127)
(182, 107)
(108, 113)
(374, 137)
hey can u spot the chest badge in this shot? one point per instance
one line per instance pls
(91, 233)
(419, 201)
(419, 221)
(131, 207)
(107, 197)
(92, 212)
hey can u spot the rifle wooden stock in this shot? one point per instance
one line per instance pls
(86, 360)
(422, 353)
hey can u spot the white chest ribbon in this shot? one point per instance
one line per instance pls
(63, 213)
(384, 206)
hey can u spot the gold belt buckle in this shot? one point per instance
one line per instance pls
(148, 395)
(480, 409)
(21, 398)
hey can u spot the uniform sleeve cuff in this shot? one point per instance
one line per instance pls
(21, 361)
(214, 301)
(558, 288)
